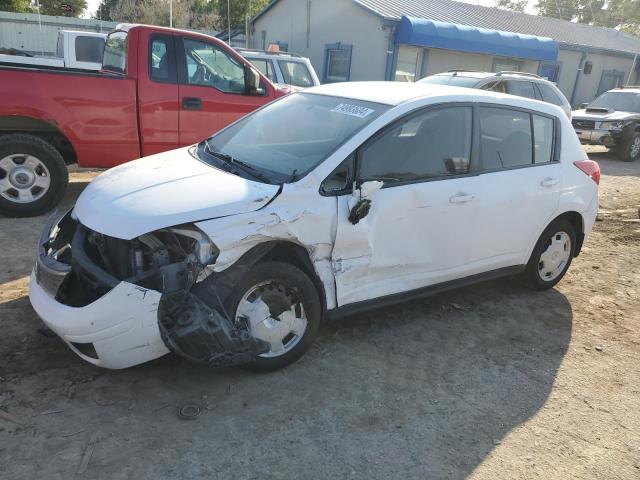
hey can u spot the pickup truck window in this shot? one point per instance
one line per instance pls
(210, 66)
(115, 53)
(162, 59)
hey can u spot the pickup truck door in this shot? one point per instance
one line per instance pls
(158, 93)
(212, 89)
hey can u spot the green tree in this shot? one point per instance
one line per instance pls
(18, 6)
(64, 8)
(105, 7)
(563, 9)
(239, 9)
(514, 5)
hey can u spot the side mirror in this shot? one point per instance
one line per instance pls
(252, 81)
(360, 201)
(583, 105)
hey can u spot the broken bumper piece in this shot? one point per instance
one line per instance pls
(118, 330)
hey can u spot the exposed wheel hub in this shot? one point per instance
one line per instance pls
(275, 315)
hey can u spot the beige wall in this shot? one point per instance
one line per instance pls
(332, 21)
(438, 61)
(588, 84)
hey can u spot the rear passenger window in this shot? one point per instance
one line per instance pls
(521, 88)
(433, 144)
(505, 138)
(508, 140)
(548, 95)
(161, 59)
(542, 139)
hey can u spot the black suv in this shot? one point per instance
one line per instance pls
(612, 120)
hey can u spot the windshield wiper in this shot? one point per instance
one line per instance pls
(250, 169)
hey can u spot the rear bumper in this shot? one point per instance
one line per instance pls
(122, 325)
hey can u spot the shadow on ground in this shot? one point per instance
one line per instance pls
(423, 390)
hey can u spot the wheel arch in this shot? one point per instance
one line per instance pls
(287, 252)
(577, 221)
(47, 131)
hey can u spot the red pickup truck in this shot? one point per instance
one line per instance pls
(159, 89)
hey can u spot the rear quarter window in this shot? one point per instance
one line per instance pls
(548, 95)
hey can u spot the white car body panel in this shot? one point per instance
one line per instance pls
(158, 191)
(413, 236)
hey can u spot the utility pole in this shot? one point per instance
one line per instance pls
(229, 20)
(171, 13)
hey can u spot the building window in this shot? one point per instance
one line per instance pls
(506, 65)
(337, 63)
(610, 79)
(408, 64)
(549, 70)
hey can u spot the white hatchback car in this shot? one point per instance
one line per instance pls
(234, 250)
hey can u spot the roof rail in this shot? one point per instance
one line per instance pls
(524, 74)
(461, 70)
(622, 87)
(255, 50)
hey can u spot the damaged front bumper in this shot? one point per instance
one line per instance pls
(119, 303)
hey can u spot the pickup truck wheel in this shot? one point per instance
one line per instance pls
(631, 149)
(33, 176)
(282, 307)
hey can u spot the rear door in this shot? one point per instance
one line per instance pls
(158, 93)
(212, 89)
(519, 184)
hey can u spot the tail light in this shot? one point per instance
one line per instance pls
(591, 168)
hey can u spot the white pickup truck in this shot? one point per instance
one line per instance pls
(75, 49)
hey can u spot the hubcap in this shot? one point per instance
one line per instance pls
(275, 314)
(554, 256)
(23, 178)
(635, 147)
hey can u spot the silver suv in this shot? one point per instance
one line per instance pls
(283, 67)
(521, 84)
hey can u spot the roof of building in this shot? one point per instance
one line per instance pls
(494, 18)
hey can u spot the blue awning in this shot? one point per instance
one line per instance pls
(429, 33)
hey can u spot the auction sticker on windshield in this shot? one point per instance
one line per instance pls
(353, 110)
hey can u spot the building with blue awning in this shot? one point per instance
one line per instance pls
(405, 40)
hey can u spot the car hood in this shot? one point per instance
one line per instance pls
(164, 190)
(602, 114)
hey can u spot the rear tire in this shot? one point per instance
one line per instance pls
(291, 298)
(33, 176)
(552, 255)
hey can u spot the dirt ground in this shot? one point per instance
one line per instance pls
(488, 382)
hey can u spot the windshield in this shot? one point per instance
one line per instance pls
(295, 73)
(289, 137)
(455, 80)
(625, 101)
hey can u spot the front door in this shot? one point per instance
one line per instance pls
(416, 232)
(213, 92)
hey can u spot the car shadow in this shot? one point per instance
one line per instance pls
(424, 389)
(610, 164)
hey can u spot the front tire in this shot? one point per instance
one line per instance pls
(33, 176)
(282, 307)
(551, 256)
(630, 151)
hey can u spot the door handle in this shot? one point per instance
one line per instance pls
(461, 198)
(549, 182)
(191, 103)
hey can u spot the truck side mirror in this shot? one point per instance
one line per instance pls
(252, 81)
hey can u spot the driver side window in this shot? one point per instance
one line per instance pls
(210, 66)
(433, 144)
